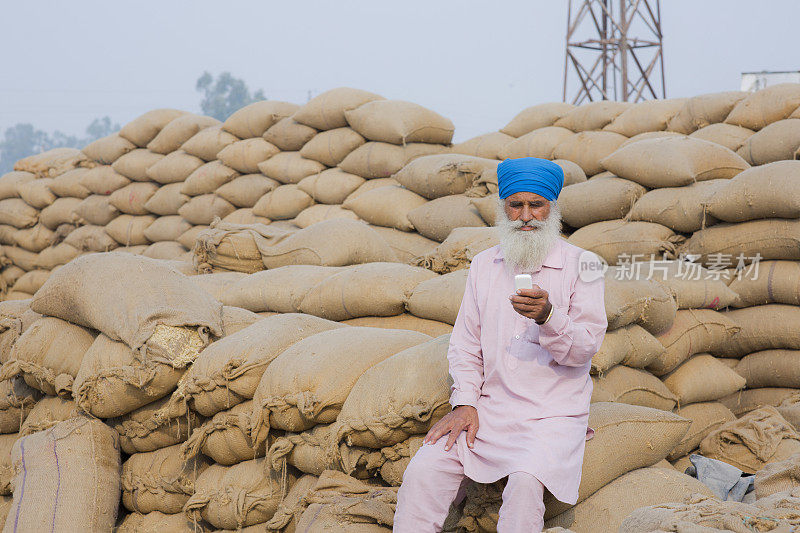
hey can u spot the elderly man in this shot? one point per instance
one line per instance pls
(520, 367)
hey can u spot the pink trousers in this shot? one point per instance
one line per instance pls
(432, 481)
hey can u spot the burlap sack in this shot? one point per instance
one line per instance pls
(704, 110)
(778, 477)
(770, 238)
(592, 116)
(651, 135)
(748, 400)
(30, 282)
(292, 506)
(229, 371)
(629, 345)
(535, 117)
(705, 417)
(20, 257)
(386, 206)
(157, 522)
(776, 142)
(588, 148)
(178, 131)
(246, 190)
(673, 162)
(166, 250)
(205, 208)
(174, 168)
(108, 149)
(209, 177)
(280, 289)
(15, 212)
(134, 165)
(331, 147)
(11, 180)
(487, 208)
(439, 298)
(767, 191)
(128, 230)
(730, 136)
(167, 228)
(326, 111)
(67, 478)
(54, 163)
(245, 216)
(405, 321)
(626, 437)
(396, 459)
(231, 497)
(541, 143)
(320, 212)
(579, 205)
(167, 200)
(415, 389)
(289, 135)
(216, 284)
(765, 106)
(618, 241)
(702, 378)
(764, 327)
(694, 331)
(161, 480)
(144, 128)
(34, 239)
(682, 209)
(381, 160)
(156, 295)
(244, 156)
(438, 218)
(131, 198)
(17, 400)
(767, 282)
(236, 249)
(311, 451)
(649, 115)
(91, 238)
(341, 296)
(289, 167)
(98, 210)
(57, 255)
(488, 145)
(150, 428)
(254, 119)
(331, 186)
(235, 319)
(36, 193)
(207, 143)
(632, 386)
(308, 383)
(435, 176)
(759, 437)
(458, 249)
(771, 368)
(225, 438)
(399, 122)
(283, 203)
(62, 211)
(7, 474)
(13, 321)
(789, 409)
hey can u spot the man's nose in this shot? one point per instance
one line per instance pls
(527, 214)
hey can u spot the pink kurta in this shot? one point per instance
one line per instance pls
(529, 383)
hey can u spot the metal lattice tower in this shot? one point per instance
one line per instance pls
(614, 51)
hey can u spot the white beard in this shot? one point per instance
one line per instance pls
(526, 250)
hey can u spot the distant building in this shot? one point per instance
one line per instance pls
(753, 81)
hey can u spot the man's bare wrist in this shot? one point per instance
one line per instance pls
(550, 314)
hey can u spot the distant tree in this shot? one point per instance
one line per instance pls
(224, 95)
(101, 127)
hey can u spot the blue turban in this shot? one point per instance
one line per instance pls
(530, 174)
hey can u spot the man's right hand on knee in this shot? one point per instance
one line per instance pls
(462, 418)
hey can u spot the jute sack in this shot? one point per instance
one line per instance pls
(216, 284)
(54, 163)
(254, 119)
(167, 200)
(70, 475)
(62, 211)
(57, 255)
(225, 438)
(768, 191)
(651, 135)
(15, 212)
(236, 249)
(592, 116)
(332, 146)
(208, 142)
(437, 218)
(776, 142)
(632, 386)
(372, 184)
(90, 238)
(12, 313)
(702, 378)
(535, 117)
(766, 106)
(70, 184)
(318, 213)
(579, 206)
(626, 437)
(399, 122)
(289, 167)
(157, 522)
(6, 466)
(730, 136)
(386, 206)
(404, 321)
(228, 372)
(778, 477)
(161, 480)
(439, 298)
(128, 230)
(17, 400)
(34, 239)
(646, 116)
(673, 162)
(20, 257)
(48, 355)
(488, 145)
(694, 331)
(84, 290)
(149, 428)
(36, 193)
(144, 128)
(292, 506)
(771, 368)
(97, 210)
(487, 207)
(396, 459)
(415, 390)
(235, 319)
(11, 180)
(279, 289)
(205, 208)
(705, 417)
(381, 160)
(208, 178)
(131, 198)
(245, 191)
(771, 238)
(30, 282)
(541, 143)
(789, 409)
(434, 176)
(282, 203)
(605, 510)
(108, 149)
(312, 451)
(289, 135)
(166, 250)
(166, 228)
(244, 156)
(757, 438)
(704, 110)
(245, 216)
(748, 400)
(341, 296)
(178, 131)
(134, 165)
(588, 148)
(326, 111)
(764, 327)
(458, 249)
(308, 383)
(682, 209)
(331, 186)
(174, 168)
(231, 497)
(614, 240)
(629, 345)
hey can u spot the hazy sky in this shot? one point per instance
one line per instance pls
(476, 62)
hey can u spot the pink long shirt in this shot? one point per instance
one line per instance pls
(529, 383)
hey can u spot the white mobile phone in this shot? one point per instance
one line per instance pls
(523, 281)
